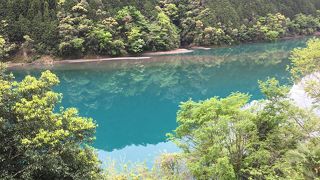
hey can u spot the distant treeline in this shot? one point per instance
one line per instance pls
(74, 28)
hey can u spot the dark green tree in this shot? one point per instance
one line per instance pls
(73, 28)
(163, 34)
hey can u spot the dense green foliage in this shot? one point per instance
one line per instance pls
(269, 139)
(306, 60)
(38, 142)
(225, 138)
(306, 63)
(75, 28)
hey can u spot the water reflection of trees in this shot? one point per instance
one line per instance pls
(168, 77)
(135, 101)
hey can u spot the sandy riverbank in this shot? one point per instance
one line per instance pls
(145, 55)
(49, 61)
(176, 51)
(200, 48)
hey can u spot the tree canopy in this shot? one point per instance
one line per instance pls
(40, 140)
(230, 138)
(76, 28)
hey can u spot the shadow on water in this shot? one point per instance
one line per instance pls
(135, 102)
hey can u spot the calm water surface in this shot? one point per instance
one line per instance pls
(135, 102)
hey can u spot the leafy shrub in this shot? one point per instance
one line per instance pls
(136, 43)
(37, 140)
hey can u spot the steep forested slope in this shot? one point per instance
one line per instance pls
(239, 10)
(224, 10)
(116, 27)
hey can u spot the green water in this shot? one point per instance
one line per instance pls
(135, 102)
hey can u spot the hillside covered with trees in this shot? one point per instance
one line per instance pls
(75, 28)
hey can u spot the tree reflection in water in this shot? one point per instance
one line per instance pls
(135, 102)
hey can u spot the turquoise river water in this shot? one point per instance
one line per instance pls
(135, 102)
